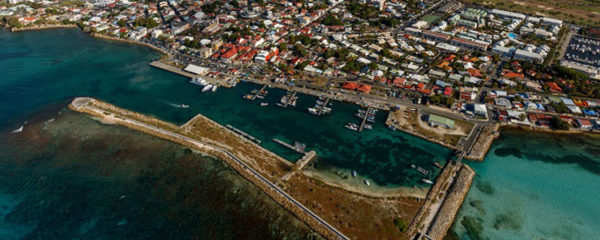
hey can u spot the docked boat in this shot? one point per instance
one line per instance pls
(262, 104)
(437, 165)
(207, 88)
(352, 126)
(353, 173)
(312, 111)
(367, 183)
(248, 96)
(425, 180)
(198, 81)
(214, 88)
(368, 126)
(422, 170)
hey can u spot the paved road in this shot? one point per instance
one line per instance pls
(239, 161)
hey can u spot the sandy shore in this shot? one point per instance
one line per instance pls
(357, 185)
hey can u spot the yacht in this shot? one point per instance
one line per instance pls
(207, 88)
(214, 88)
(352, 126)
(198, 81)
(425, 180)
(262, 104)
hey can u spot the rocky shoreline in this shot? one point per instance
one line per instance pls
(43, 27)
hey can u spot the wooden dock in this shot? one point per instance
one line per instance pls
(258, 92)
(290, 99)
(364, 120)
(298, 147)
(321, 110)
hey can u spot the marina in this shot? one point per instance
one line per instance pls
(320, 107)
(254, 94)
(288, 99)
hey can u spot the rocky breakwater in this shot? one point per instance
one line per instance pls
(454, 199)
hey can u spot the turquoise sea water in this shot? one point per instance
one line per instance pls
(57, 65)
(538, 186)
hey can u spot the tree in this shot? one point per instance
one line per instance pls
(558, 124)
(331, 20)
(283, 47)
(122, 23)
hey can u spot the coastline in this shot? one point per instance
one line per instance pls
(43, 27)
(100, 36)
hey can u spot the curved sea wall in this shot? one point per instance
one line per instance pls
(104, 112)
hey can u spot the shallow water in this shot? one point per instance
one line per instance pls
(74, 178)
(544, 188)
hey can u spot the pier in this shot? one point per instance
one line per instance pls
(364, 120)
(321, 110)
(298, 147)
(289, 99)
(302, 162)
(258, 92)
(244, 134)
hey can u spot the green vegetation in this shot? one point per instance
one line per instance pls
(306, 41)
(340, 54)
(122, 23)
(352, 66)
(558, 124)
(211, 7)
(145, 22)
(361, 10)
(442, 100)
(12, 22)
(560, 107)
(192, 44)
(331, 20)
(400, 224)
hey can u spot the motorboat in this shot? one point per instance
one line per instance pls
(207, 88)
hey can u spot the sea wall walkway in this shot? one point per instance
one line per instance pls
(90, 106)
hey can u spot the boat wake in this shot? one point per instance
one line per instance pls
(20, 129)
(176, 105)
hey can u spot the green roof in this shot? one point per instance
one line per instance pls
(441, 120)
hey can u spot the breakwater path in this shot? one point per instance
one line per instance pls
(89, 105)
